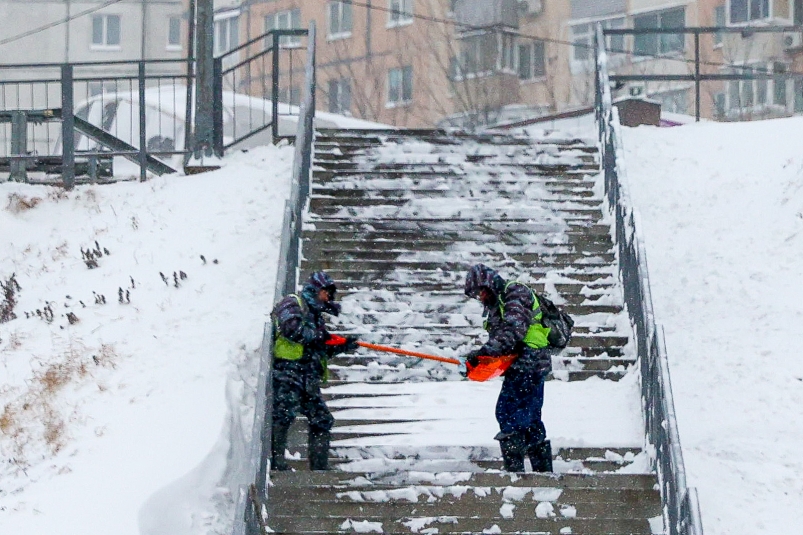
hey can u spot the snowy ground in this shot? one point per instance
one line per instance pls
(721, 212)
(121, 422)
(131, 419)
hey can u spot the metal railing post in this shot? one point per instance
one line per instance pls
(203, 134)
(697, 76)
(67, 127)
(19, 146)
(274, 97)
(143, 134)
(217, 107)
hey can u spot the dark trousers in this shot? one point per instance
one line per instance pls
(297, 387)
(518, 409)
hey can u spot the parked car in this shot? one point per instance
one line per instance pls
(117, 113)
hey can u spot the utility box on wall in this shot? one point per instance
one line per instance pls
(637, 111)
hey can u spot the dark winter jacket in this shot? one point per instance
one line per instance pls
(505, 335)
(510, 319)
(298, 318)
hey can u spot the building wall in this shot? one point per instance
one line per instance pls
(373, 48)
(53, 45)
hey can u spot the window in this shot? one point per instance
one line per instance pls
(227, 34)
(401, 12)
(798, 95)
(507, 52)
(655, 44)
(478, 53)
(340, 96)
(284, 20)
(400, 85)
(106, 31)
(532, 60)
(672, 101)
(340, 19)
(583, 38)
(582, 41)
(719, 105)
(779, 85)
(174, 33)
(290, 95)
(758, 93)
(719, 20)
(748, 10)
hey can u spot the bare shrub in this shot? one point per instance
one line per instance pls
(9, 293)
(54, 433)
(37, 416)
(57, 194)
(8, 419)
(56, 376)
(18, 203)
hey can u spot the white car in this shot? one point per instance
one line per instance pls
(118, 114)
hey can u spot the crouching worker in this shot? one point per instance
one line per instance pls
(300, 355)
(514, 327)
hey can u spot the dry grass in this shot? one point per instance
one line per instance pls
(57, 194)
(37, 415)
(7, 419)
(20, 203)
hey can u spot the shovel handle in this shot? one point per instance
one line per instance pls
(398, 351)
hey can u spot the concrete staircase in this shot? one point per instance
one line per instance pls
(397, 217)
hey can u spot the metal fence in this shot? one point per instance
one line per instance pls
(680, 503)
(59, 121)
(259, 84)
(250, 513)
(87, 117)
(726, 73)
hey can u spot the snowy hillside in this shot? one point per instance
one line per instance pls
(117, 383)
(721, 209)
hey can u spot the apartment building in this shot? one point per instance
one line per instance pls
(63, 31)
(70, 31)
(421, 63)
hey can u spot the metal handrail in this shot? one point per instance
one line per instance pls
(249, 516)
(681, 511)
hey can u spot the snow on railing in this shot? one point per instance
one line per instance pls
(250, 514)
(681, 509)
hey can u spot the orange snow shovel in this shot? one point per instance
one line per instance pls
(488, 368)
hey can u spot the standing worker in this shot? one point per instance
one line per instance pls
(301, 349)
(513, 322)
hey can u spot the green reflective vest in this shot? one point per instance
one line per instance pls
(284, 348)
(536, 336)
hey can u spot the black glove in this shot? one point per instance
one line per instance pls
(351, 344)
(471, 358)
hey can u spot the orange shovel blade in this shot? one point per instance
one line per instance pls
(489, 367)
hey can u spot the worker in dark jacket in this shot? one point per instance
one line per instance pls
(514, 327)
(300, 355)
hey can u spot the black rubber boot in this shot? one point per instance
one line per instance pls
(541, 456)
(512, 451)
(318, 449)
(278, 445)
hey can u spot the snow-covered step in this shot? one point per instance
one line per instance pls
(451, 224)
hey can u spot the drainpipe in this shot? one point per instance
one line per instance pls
(144, 29)
(67, 35)
(368, 11)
